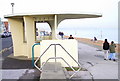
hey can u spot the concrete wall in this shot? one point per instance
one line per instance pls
(22, 48)
(30, 33)
(17, 36)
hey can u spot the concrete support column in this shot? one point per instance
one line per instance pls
(16, 28)
(54, 36)
(30, 34)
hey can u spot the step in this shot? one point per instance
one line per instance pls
(52, 70)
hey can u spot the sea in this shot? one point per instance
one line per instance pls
(100, 33)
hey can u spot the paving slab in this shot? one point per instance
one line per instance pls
(20, 75)
(12, 74)
(81, 75)
(52, 71)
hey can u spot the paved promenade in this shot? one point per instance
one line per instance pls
(92, 59)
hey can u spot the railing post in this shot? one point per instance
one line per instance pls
(55, 57)
(33, 53)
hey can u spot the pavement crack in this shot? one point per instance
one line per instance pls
(92, 77)
(90, 63)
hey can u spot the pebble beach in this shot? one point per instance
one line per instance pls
(98, 44)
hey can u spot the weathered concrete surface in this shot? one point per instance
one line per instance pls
(52, 71)
(12, 74)
(81, 75)
(20, 74)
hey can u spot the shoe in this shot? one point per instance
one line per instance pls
(114, 60)
(110, 59)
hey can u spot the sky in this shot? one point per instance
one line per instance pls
(108, 9)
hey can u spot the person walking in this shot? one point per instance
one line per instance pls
(106, 49)
(62, 34)
(112, 51)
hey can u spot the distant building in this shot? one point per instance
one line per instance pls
(0, 25)
(4, 26)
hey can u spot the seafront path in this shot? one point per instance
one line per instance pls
(93, 60)
(90, 58)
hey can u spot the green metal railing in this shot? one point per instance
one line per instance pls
(33, 53)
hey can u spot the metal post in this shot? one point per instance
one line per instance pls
(55, 52)
(12, 7)
(55, 57)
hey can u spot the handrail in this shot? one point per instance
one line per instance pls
(56, 58)
(40, 57)
(69, 54)
(65, 62)
(33, 53)
(40, 69)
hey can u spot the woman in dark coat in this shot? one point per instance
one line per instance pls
(106, 49)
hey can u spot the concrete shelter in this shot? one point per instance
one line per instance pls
(19, 23)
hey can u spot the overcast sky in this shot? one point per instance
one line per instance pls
(108, 8)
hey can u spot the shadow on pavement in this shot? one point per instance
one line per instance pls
(12, 63)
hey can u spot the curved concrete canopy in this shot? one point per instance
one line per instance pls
(41, 14)
(49, 17)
